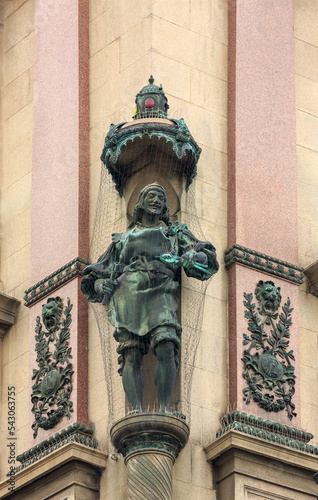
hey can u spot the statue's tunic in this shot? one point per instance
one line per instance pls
(146, 297)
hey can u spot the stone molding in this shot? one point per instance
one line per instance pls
(8, 311)
(64, 274)
(73, 433)
(267, 430)
(234, 439)
(150, 431)
(70, 454)
(312, 274)
(246, 467)
(264, 263)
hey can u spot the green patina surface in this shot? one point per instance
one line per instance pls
(176, 135)
(268, 430)
(151, 102)
(268, 367)
(77, 433)
(139, 275)
(151, 441)
(53, 376)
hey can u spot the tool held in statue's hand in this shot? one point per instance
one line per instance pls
(168, 258)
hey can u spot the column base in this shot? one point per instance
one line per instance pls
(150, 443)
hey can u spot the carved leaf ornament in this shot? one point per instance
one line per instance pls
(53, 377)
(268, 368)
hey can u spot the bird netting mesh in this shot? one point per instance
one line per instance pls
(113, 215)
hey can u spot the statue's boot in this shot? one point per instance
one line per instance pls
(165, 374)
(132, 379)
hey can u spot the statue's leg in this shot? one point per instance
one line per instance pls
(165, 373)
(132, 378)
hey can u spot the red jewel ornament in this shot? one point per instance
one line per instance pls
(149, 102)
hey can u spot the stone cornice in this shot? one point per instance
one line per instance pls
(263, 263)
(55, 280)
(267, 430)
(8, 310)
(76, 432)
(71, 451)
(246, 442)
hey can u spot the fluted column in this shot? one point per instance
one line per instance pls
(149, 474)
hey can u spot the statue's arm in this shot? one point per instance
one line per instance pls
(97, 283)
(198, 257)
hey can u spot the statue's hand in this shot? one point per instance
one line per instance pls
(104, 287)
(191, 258)
(169, 258)
(201, 258)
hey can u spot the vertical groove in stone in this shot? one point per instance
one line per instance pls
(149, 476)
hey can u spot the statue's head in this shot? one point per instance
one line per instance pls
(144, 201)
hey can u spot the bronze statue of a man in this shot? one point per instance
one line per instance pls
(139, 275)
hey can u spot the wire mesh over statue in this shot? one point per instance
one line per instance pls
(150, 265)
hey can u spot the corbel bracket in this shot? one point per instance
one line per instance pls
(312, 274)
(8, 311)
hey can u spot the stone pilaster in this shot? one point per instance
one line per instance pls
(262, 182)
(59, 216)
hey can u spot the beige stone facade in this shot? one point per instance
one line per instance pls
(17, 56)
(184, 44)
(306, 49)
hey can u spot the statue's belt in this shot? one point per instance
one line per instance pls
(152, 267)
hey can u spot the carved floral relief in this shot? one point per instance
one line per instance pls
(53, 376)
(268, 368)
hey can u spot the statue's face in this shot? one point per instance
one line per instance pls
(154, 202)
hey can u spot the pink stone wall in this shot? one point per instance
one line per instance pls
(60, 136)
(262, 179)
(60, 175)
(262, 176)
